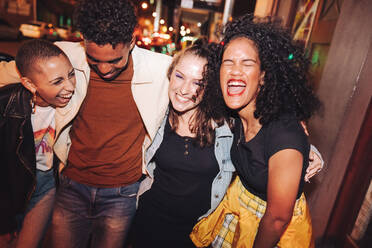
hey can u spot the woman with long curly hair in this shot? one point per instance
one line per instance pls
(263, 80)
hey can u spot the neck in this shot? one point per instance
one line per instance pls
(40, 101)
(184, 121)
(251, 125)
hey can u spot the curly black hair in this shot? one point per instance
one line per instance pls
(106, 22)
(286, 87)
(210, 111)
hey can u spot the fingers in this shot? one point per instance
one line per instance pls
(317, 163)
(310, 173)
(311, 156)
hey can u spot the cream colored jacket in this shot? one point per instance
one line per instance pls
(149, 89)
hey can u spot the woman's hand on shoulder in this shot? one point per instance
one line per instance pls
(316, 164)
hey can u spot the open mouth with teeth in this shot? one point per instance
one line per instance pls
(235, 87)
(65, 97)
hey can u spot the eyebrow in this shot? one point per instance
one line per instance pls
(56, 79)
(244, 60)
(179, 72)
(61, 78)
(201, 79)
(250, 60)
(100, 61)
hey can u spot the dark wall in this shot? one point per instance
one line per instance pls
(345, 89)
(242, 7)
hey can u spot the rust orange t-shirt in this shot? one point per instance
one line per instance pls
(107, 134)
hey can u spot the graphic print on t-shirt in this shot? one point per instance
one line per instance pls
(43, 125)
(44, 140)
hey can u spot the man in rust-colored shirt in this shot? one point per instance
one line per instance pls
(126, 99)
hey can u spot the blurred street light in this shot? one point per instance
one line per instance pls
(158, 14)
(144, 5)
(154, 14)
(199, 24)
(170, 29)
(146, 40)
(162, 21)
(227, 11)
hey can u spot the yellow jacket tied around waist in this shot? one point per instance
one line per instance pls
(235, 222)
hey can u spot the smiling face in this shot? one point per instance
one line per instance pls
(106, 61)
(240, 74)
(53, 81)
(185, 84)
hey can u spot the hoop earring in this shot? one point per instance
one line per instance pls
(33, 105)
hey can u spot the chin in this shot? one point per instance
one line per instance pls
(183, 110)
(112, 77)
(59, 105)
(236, 106)
(180, 110)
(180, 107)
(233, 105)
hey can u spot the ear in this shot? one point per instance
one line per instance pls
(262, 76)
(28, 84)
(132, 42)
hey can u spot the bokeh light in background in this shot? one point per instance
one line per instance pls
(144, 5)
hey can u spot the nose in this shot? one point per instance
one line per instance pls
(186, 88)
(104, 68)
(236, 69)
(70, 84)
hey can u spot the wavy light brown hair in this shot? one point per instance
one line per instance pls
(210, 111)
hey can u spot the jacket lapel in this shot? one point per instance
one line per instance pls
(152, 108)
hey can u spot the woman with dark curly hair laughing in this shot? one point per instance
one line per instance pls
(263, 79)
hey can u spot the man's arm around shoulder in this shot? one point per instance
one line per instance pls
(8, 73)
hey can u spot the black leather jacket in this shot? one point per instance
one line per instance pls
(17, 154)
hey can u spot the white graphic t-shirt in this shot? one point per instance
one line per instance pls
(43, 125)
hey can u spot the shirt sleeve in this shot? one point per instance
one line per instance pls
(287, 134)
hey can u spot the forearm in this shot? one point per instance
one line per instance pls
(269, 231)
